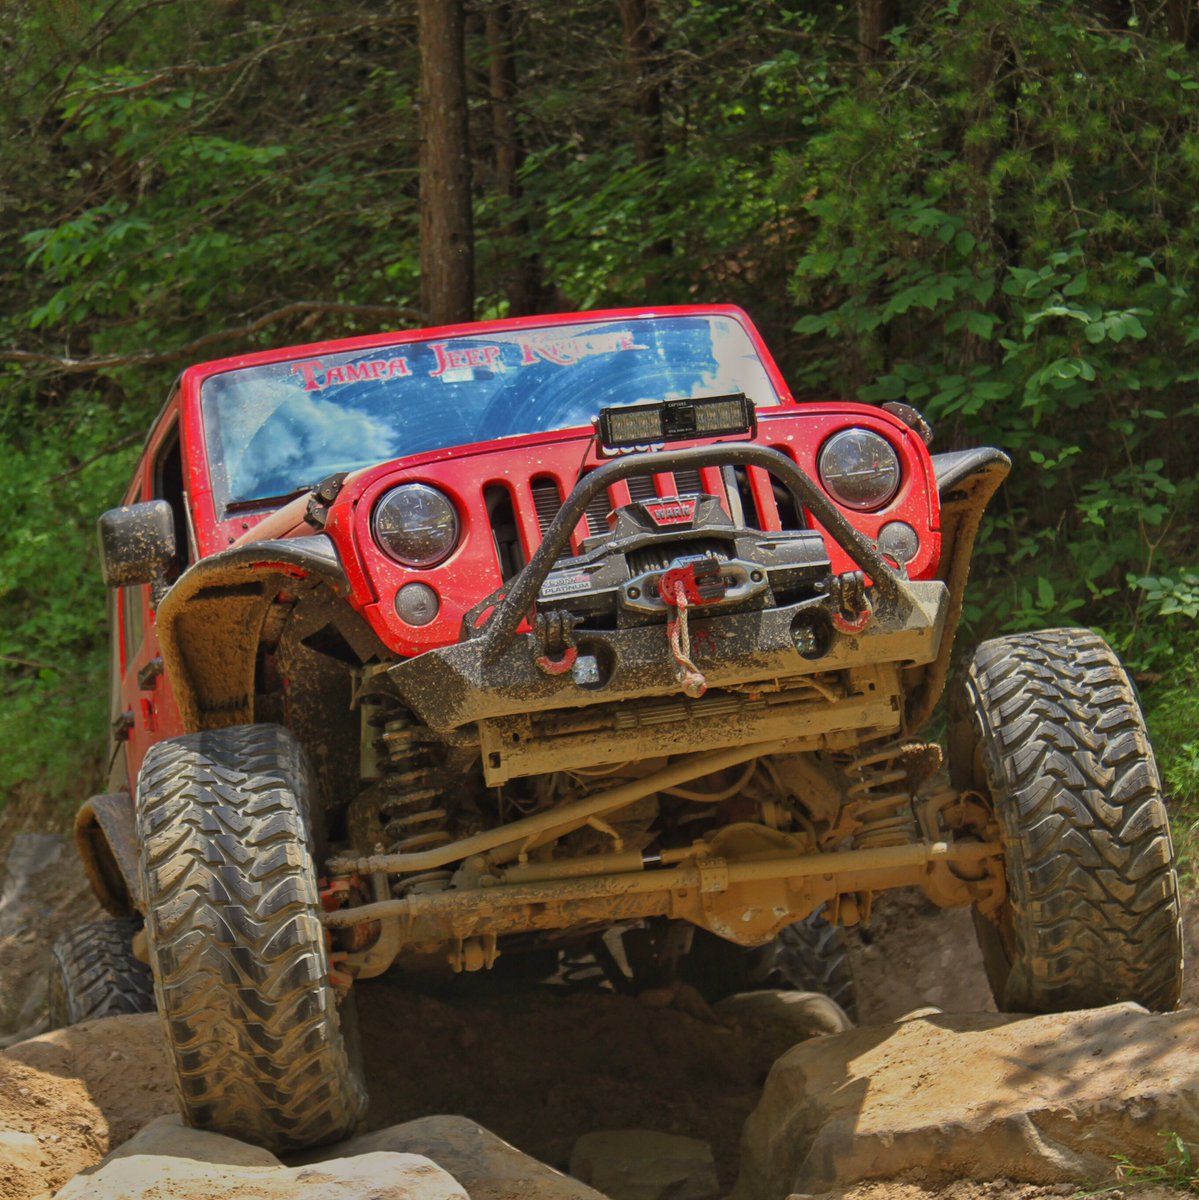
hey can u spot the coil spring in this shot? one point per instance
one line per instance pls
(413, 819)
(880, 797)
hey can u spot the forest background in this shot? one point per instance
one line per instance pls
(986, 209)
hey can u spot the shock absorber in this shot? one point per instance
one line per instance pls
(410, 808)
(880, 796)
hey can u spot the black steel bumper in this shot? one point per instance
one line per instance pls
(460, 684)
(495, 673)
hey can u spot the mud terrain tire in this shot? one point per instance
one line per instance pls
(93, 973)
(809, 956)
(240, 964)
(1048, 725)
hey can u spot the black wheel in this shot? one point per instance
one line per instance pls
(1048, 726)
(240, 963)
(93, 973)
(809, 956)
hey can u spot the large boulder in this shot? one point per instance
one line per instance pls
(367, 1177)
(68, 1097)
(486, 1166)
(168, 1137)
(642, 1164)
(802, 1015)
(121, 1063)
(1045, 1100)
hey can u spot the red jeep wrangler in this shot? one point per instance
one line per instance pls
(571, 634)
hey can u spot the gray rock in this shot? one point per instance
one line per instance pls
(486, 1166)
(29, 855)
(639, 1164)
(21, 1150)
(803, 1015)
(44, 892)
(367, 1177)
(1041, 1100)
(168, 1137)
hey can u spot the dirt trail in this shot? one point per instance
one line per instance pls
(539, 1066)
(66, 1099)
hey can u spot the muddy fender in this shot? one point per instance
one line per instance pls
(107, 842)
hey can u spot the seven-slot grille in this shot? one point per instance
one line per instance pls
(641, 487)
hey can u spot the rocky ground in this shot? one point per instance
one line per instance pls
(949, 1106)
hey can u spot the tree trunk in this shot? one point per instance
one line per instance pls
(446, 225)
(523, 281)
(642, 48)
(1181, 23)
(875, 19)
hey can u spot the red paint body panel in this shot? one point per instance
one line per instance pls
(472, 571)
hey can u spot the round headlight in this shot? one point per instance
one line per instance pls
(416, 525)
(859, 469)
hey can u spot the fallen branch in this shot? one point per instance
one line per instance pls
(106, 362)
(30, 662)
(115, 448)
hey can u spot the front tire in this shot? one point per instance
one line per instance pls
(93, 973)
(1048, 726)
(236, 942)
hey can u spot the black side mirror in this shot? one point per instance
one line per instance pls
(137, 543)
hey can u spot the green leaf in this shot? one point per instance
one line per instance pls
(1133, 326)
(981, 324)
(889, 387)
(812, 323)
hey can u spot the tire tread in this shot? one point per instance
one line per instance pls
(94, 974)
(241, 970)
(1093, 892)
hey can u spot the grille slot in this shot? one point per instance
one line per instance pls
(641, 487)
(502, 515)
(546, 501)
(597, 514)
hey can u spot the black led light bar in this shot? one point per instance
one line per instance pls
(676, 421)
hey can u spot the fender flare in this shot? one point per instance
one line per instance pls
(966, 482)
(211, 621)
(106, 839)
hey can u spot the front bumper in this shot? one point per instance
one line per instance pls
(765, 676)
(457, 685)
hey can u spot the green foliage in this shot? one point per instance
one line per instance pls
(1172, 710)
(53, 660)
(1180, 1169)
(1004, 237)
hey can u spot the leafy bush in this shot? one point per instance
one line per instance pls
(53, 656)
(1003, 237)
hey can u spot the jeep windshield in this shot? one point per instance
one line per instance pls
(276, 429)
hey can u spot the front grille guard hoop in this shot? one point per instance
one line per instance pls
(515, 601)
